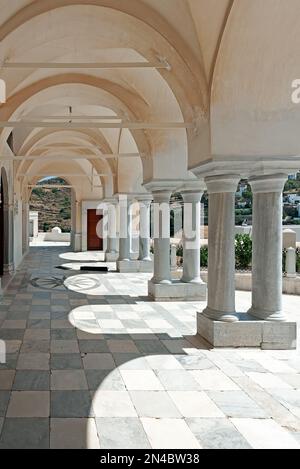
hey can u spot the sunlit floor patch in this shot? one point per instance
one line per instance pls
(86, 284)
(83, 256)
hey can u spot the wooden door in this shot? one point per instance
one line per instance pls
(94, 243)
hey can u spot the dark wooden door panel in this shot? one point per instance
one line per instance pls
(94, 243)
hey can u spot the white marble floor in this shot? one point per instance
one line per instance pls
(92, 363)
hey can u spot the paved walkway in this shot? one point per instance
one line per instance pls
(92, 363)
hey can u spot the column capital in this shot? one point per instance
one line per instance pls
(110, 201)
(144, 198)
(268, 183)
(162, 196)
(222, 183)
(192, 186)
(192, 191)
(123, 197)
(161, 185)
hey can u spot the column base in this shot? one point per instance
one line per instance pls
(220, 315)
(248, 332)
(277, 316)
(133, 266)
(76, 242)
(111, 256)
(177, 291)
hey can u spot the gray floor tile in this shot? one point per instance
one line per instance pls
(109, 380)
(121, 358)
(6, 379)
(177, 380)
(63, 334)
(68, 380)
(154, 404)
(288, 397)
(120, 433)
(70, 403)
(64, 346)
(195, 362)
(66, 361)
(12, 334)
(73, 433)
(93, 346)
(35, 380)
(29, 404)
(16, 315)
(35, 346)
(11, 362)
(217, 434)
(4, 399)
(151, 347)
(33, 361)
(20, 433)
(38, 324)
(237, 404)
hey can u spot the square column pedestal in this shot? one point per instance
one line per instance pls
(248, 332)
(177, 291)
(111, 256)
(132, 266)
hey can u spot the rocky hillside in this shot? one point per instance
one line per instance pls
(53, 206)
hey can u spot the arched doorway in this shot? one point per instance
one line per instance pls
(50, 212)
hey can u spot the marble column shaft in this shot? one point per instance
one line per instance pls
(144, 236)
(112, 228)
(191, 237)
(161, 213)
(221, 247)
(267, 247)
(125, 229)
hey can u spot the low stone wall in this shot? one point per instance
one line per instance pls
(243, 282)
(53, 237)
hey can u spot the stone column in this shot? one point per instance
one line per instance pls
(221, 248)
(112, 227)
(161, 213)
(125, 228)
(191, 236)
(144, 236)
(267, 247)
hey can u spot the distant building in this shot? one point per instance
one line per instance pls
(293, 198)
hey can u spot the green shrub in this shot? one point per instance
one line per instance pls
(46, 226)
(179, 250)
(204, 256)
(298, 260)
(283, 260)
(243, 251)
